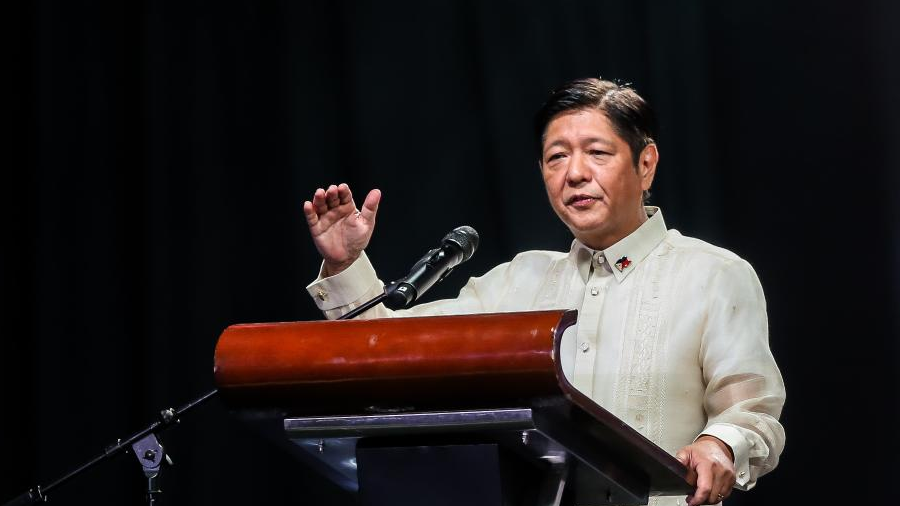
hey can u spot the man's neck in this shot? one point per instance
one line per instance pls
(621, 232)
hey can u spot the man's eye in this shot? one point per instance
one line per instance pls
(597, 152)
(554, 156)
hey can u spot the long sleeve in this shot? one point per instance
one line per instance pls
(745, 392)
(341, 293)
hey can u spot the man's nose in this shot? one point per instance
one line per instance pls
(578, 172)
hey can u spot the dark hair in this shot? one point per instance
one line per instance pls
(630, 115)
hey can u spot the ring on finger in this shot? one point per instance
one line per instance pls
(720, 496)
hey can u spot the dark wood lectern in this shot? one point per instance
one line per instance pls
(470, 409)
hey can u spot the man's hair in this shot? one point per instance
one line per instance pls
(631, 116)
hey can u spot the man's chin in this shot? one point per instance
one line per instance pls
(586, 226)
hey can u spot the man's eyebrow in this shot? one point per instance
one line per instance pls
(601, 140)
(587, 140)
(557, 142)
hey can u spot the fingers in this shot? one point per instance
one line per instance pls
(332, 205)
(344, 195)
(334, 196)
(704, 486)
(714, 483)
(309, 211)
(722, 486)
(331, 197)
(325, 200)
(370, 206)
(684, 457)
(318, 202)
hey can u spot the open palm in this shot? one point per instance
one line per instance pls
(339, 230)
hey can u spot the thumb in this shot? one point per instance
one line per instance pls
(683, 456)
(370, 206)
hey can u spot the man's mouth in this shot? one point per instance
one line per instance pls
(581, 200)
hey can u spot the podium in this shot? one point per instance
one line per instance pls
(469, 409)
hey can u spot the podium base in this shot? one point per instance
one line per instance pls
(448, 475)
(549, 454)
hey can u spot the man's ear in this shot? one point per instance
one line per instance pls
(647, 165)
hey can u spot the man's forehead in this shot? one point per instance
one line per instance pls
(586, 115)
(585, 125)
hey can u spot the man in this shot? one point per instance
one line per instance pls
(672, 334)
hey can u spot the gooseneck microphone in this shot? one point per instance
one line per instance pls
(456, 247)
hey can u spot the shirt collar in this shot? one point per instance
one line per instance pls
(624, 256)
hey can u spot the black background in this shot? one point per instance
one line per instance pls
(159, 153)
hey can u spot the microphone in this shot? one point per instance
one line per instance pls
(456, 247)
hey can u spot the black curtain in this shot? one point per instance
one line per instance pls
(159, 153)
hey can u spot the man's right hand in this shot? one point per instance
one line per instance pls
(339, 230)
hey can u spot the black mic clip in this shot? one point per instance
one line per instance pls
(401, 293)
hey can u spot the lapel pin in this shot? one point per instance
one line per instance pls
(622, 263)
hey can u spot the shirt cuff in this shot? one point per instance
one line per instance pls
(740, 447)
(345, 287)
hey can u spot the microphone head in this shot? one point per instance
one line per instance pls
(466, 238)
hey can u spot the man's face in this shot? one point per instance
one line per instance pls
(591, 178)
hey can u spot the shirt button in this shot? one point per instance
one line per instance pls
(585, 347)
(594, 290)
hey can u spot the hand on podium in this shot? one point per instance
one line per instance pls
(339, 230)
(710, 469)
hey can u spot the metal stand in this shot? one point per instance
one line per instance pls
(150, 454)
(389, 289)
(364, 307)
(145, 446)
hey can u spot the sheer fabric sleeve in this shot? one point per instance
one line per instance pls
(745, 392)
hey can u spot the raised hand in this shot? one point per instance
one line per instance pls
(339, 230)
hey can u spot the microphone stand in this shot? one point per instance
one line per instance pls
(389, 289)
(378, 299)
(145, 443)
(364, 307)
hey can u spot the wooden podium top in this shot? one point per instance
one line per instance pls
(392, 364)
